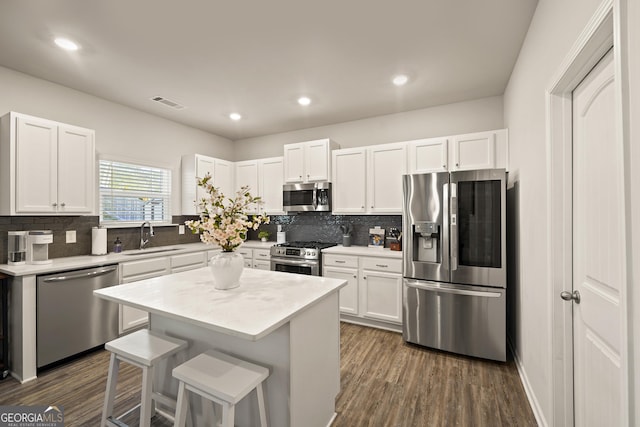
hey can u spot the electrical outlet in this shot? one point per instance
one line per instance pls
(181, 229)
(71, 236)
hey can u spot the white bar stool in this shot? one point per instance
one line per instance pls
(219, 378)
(143, 349)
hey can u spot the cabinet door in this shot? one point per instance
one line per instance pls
(204, 165)
(76, 163)
(36, 166)
(260, 264)
(247, 174)
(427, 155)
(349, 293)
(294, 163)
(271, 180)
(223, 176)
(349, 180)
(387, 164)
(382, 296)
(317, 161)
(474, 151)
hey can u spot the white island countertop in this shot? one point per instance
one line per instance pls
(264, 301)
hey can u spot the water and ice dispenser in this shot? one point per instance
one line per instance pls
(426, 242)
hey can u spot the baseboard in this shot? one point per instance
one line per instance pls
(370, 322)
(533, 401)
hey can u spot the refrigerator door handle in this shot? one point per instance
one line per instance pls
(454, 226)
(426, 286)
(445, 228)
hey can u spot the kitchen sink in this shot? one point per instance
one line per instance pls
(149, 251)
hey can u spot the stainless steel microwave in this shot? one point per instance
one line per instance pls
(311, 197)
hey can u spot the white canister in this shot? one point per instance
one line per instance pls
(98, 241)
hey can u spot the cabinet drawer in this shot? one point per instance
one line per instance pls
(194, 259)
(391, 265)
(262, 254)
(245, 252)
(340, 260)
(145, 267)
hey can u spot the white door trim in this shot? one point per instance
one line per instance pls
(602, 32)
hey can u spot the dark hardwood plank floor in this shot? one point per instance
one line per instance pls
(384, 382)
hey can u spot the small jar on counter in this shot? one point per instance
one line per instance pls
(117, 245)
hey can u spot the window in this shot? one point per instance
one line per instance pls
(134, 193)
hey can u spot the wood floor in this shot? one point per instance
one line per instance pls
(384, 382)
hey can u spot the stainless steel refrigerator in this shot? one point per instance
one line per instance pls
(455, 281)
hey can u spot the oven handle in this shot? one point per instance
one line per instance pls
(287, 261)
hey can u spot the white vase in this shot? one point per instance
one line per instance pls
(226, 268)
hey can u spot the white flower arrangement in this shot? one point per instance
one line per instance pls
(223, 221)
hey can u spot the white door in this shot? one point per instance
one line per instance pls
(474, 151)
(223, 176)
(76, 162)
(598, 247)
(427, 155)
(271, 180)
(349, 180)
(387, 164)
(294, 162)
(317, 160)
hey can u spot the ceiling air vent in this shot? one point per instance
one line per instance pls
(169, 103)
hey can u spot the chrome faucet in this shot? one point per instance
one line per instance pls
(143, 241)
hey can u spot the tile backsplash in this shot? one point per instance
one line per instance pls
(303, 226)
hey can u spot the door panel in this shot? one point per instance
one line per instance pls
(598, 247)
(75, 170)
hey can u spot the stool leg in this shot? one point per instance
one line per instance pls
(228, 414)
(145, 404)
(110, 392)
(261, 407)
(208, 414)
(181, 407)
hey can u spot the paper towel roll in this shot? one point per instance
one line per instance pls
(281, 237)
(98, 241)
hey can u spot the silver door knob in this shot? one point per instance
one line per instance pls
(568, 296)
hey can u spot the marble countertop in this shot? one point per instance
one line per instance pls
(87, 261)
(264, 301)
(363, 251)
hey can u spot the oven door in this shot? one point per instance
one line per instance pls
(310, 268)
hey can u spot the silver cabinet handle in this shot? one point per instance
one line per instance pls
(339, 262)
(55, 204)
(570, 296)
(63, 204)
(382, 265)
(355, 277)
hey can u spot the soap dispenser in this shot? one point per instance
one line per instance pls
(117, 245)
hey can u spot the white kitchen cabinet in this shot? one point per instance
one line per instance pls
(428, 155)
(349, 180)
(270, 181)
(132, 271)
(481, 150)
(382, 295)
(369, 179)
(196, 166)
(374, 289)
(349, 293)
(247, 254)
(189, 261)
(308, 161)
(247, 175)
(47, 168)
(386, 164)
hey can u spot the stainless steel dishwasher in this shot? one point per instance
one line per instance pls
(70, 319)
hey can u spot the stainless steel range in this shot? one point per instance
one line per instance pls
(299, 257)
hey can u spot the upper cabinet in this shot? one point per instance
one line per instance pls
(428, 155)
(47, 168)
(196, 166)
(308, 161)
(270, 181)
(368, 179)
(247, 175)
(482, 150)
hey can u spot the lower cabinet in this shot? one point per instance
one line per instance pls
(374, 288)
(256, 258)
(132, 271)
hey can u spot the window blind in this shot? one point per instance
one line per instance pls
(134, 193)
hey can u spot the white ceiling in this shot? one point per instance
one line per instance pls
(258, 57)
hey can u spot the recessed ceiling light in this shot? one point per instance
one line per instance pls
(235, 116)
(66, 44)
(304, 100)
(400, 80)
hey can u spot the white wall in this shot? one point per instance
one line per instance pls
(555, 27)
(120, 131)
(450, 119)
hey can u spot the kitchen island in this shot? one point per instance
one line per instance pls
(286, 322)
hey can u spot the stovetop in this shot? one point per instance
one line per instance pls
(308, 244)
